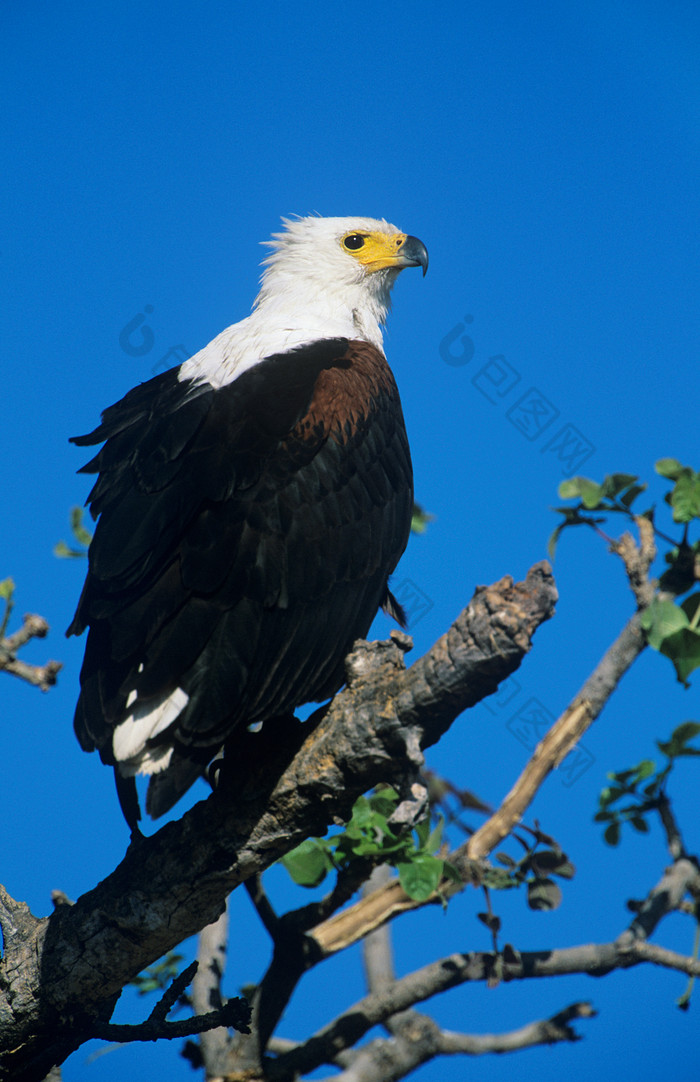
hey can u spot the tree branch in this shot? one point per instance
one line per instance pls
(41, 676)
(392, 1060)
(206, 993)
(233, 1014)
(352, 924)
(63, 978)
(629, 949)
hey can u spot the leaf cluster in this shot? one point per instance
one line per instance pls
(639, 790)
(81, 534)
(671, 628)
(420, 519)
(534, 870)
(370, 835)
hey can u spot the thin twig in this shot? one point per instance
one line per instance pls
(353, 923)
(41, 676)
(263, 906)
(234, 1015)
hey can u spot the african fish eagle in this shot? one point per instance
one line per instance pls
(251, 506)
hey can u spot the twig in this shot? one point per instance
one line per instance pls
(629, 949)
(171, 995)
(546, 1031)
(171, 884)
(263, 907)
(679, 879)
(638, 560)
(41, 676)
(356, 921)
(393, 1060)
(234, 1015)
(674, 838)
(456, 969)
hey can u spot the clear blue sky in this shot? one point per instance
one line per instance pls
(548, 157)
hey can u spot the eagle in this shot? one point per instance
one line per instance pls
(251, 505)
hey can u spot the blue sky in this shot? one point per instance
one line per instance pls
(548, 157)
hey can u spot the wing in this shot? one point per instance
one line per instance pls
(244, 540)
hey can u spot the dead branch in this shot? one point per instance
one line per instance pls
(355, 922)
(61, 977)
(390, 1062)
(41, 676)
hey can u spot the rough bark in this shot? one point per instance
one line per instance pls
(62, 975)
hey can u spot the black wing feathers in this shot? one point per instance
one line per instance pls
(244, 540)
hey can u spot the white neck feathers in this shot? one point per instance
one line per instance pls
(311, 289)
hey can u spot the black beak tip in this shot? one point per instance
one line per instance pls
(416, 251)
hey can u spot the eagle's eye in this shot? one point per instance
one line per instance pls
(353, 241)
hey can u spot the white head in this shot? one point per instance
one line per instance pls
(325, 278)
(345, 266)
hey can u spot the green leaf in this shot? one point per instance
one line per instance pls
(308, 863)
(384, 801)
(683, 648)
(7, 589)
(645, 769)
(361, 814)
(420, 876)
(498, 879)
(435, 840)
(553, 539)
(158, 976)
(610, 794)
(676, 745)
(450, 872)
(612, 834)
(591, 493)
(420, 519)
(615, 483)
(640, 824)
(569, 490)
(492, 922)
(685, 498)
(687, 730)
(543, 894)
(691, 608)
(660, 620)
(547, 859)
(669, 467)
(422, 830)
(82, 536)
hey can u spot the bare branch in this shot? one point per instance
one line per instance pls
(297, 781)
(369, 913)
(257, 895)
(546, 1031)
(561, 738)
(41, 676)
(171, 995)
(233, 1014)
(680, 878)
(377, 955)
(629, 949)
(206, 992)
(674, 839)
(392, 1060)
(638, 560)
(592, 958)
